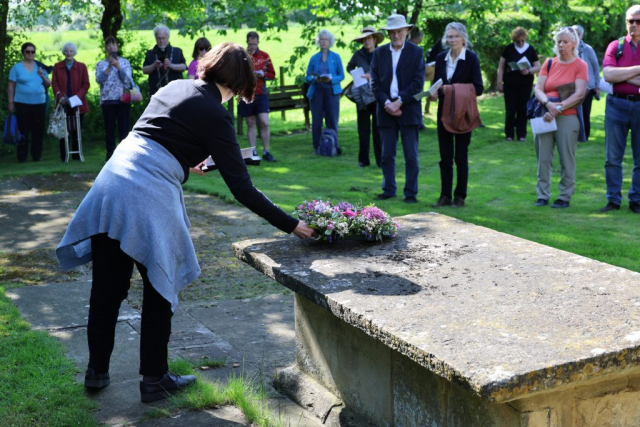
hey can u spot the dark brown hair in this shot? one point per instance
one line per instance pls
(110, 39)
(229, 65)
(252, 35)
(26, 45)
(201, 43)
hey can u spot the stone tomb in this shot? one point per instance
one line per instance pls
(451, 324)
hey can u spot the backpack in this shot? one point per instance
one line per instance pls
(11, 135)
(329, 144)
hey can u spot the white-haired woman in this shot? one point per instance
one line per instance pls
(458, 65)
(69, 78)
(556, 78)
(324, 74)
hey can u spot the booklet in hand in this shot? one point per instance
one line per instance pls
(433, 90)
(522, 64)
(247, 155)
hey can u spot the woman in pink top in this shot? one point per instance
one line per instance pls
(564, 69)
(201, 47)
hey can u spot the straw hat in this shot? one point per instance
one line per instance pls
(395, 22)
(369, 31)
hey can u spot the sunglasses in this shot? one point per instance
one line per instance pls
(29, 51)
(633, 21)
(204, 49)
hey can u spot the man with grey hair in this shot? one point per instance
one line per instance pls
(397, 74)
(164, 63)
(622, 113)
(588, 55)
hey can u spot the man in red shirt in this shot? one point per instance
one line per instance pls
(260, 106)
(621, 67)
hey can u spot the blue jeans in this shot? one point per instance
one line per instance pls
(621, 116)
(389, 136)
(324, 105)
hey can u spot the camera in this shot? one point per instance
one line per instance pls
(161, 58)
(114, 55)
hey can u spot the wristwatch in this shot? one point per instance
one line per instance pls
(545, 102)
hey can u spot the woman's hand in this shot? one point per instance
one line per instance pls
(547, 117)
(12, 107)
(366, 76)
(197, 169)
(525, 72)
(501, 87)
(64, 100)
(553, 108)
(303, 231)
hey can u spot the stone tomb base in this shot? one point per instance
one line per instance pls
(388, 389)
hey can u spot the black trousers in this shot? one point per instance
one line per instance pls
(72, 129)
(586, 111)
(453, 147)
(31, 119)
(515, 104)
(112, 269)
(367, 125)
(111, 113)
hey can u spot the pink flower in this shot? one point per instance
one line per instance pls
(350, 213)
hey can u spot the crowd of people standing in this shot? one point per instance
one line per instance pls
(386, 108)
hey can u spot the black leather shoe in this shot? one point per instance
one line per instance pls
(410, 199)
(92, 379)
(541, 202)
(635, 207)
(611, 207)
(442, 201)
(458, 202)
(560, 204)
(169, 384)
(383, 197)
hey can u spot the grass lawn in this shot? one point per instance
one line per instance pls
(37, 385)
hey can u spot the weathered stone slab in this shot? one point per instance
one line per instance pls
(497, 315)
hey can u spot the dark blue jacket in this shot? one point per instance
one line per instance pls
(467, 71)
(410, 74)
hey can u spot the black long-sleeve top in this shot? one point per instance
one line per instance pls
(188, 119)
(467, 71)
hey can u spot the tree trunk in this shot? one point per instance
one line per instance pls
(111, 18)
(4, 12)
(417, 8)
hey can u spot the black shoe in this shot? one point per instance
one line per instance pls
(442, 201)
(267, 157)
(363, 165)
(541, 202)
(410, 199)
(92, 379)
(169, 384)
(560, 204)
(458, 202)
(611, 207)
(384, 197)
(635, 207)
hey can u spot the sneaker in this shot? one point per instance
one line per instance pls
(610, 207)
(541, 202)
(92, 379)
(458, 202)
(169, 384)
(522, 139)
(268, 157)
(560, 204)
(508, 139)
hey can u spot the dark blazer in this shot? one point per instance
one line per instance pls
(410, 74)
(467, 71)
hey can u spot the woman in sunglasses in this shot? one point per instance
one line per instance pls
(26, 92)
(135, 212)
(201, 47)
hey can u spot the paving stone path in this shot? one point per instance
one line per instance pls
(254, 335)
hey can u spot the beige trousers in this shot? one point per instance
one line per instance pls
(566, 138)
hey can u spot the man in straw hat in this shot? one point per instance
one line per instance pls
(367, 117)
(397, 74)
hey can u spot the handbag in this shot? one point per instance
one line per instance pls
(534, 107)
(57, 122)
(11, 134)
(132, 94)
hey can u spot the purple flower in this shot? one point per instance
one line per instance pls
(343, 206)
(373, 213)
(350, 213)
